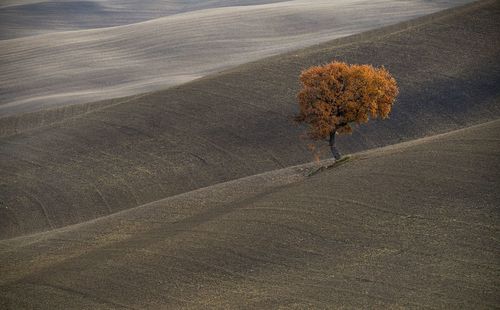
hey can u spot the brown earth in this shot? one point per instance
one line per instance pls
(237, 123)
(413, 225)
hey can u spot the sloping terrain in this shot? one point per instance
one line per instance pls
(20, 18)
(82, 66)
(412, 225)
(237, 123)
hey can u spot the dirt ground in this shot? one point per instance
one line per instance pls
(238, 123)
(410, 225)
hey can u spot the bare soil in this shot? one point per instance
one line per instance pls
(413, 225)
(79, 66)
(238, 123)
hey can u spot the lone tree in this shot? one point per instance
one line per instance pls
(337, 95)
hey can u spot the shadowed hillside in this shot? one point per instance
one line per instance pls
(411, 225)
(237, 123)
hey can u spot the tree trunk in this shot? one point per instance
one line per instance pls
(333, 147)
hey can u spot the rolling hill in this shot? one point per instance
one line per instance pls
(127, 152)
(72, 67)
(19, 18)
(410, 225)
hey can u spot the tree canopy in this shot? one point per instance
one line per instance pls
(337, 95)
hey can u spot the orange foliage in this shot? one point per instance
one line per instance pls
(336, 95)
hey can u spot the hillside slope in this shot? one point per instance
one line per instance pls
(412, 225)
(82, 66)
(19, 18)
(237, 123)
